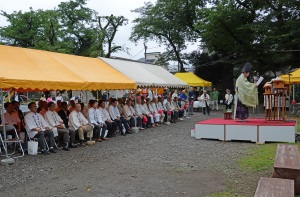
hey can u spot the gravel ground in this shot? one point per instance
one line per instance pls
(161, 161)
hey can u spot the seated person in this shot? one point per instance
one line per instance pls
(64, 114)
(149, 109)
(120, 106)
(129, 114)
(37, 127)
(11, 118)
(80, 124)
(96, 120)
(40, 103)
(170, 107)
(58, 108)
(44, 108)
(111, 125)
(72, 105)
(84, 111)
(55, 122)
(142, 113)
(180, 110)
(116, 116)
(157, 109)
(162, 107)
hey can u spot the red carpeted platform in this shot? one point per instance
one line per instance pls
(252, 122)
(254, 130)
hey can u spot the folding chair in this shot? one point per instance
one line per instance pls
(16, 141)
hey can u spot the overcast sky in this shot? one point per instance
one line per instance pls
(103, 7)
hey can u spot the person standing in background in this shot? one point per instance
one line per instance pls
(215, 98)
(191, 100)
(228, 100)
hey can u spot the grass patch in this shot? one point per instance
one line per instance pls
(225, 194)
(260, 158)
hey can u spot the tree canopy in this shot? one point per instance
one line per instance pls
(72, 28)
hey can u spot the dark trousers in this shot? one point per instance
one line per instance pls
(228, 106)
(206, 110)
(122, 124)
(68, 135)
(166, 116)
(41, 137)
(181, 112)
(111, 127)
(176, 115)
(97, 130)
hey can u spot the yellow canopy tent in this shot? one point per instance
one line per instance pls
(30, 69)
(193, 80)
(294, 78)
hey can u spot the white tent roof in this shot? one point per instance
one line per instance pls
(145, 75)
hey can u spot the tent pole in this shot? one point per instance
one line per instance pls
(7, 160)
(188, 96)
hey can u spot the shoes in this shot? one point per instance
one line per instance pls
(45, 152)
(99, 140)
(180, 118)
(82, 143)
(66, 148)
(73, 146)
(128, 132)
(104, 139)
(52, 150)
(191, 114)
(141, 128)
(148, 126)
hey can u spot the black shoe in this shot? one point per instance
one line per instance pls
(52, 150)
(128, 132)
(66, 148)
(148, 126)
(82, 144)
(73, 146)
(123, 134)
(45, 152)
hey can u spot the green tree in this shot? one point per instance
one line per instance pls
(107, 27)
(168, 22)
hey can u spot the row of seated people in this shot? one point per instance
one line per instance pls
(98, 120)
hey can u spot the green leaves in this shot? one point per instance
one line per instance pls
(70, 28)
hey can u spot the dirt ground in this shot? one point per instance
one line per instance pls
(162, 161)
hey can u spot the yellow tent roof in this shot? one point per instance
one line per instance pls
(192, 79)
(31, 69)
(294, 79)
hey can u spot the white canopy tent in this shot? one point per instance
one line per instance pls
(145, 75)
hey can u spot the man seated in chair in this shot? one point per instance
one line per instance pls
(111, 125)
(54, 120)
(142, 113)
(37, 127)
(180, 110)
(116, 116)
(155, 117)
(11, 118)
(171, 108)
(80, 124)
(157, 110)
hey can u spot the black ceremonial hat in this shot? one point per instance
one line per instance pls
(247, 67)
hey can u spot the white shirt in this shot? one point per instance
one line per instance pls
(12, 118)
(128, 111)
(174, 95)
(52, 118)
(104, 114)
(150, 94)
(59, 98)
(148, 108)
(229, 98)
(76, 119)
(161, 106)
(170, 106)
(155, 107)
(114, 112)
(204, 99)
(34, 120)
(140, 110)
(95, 116)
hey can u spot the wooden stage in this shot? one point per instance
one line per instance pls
(254, 130)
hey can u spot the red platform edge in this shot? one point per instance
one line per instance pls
(249, 122)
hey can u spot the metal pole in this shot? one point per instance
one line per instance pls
(7, 160)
